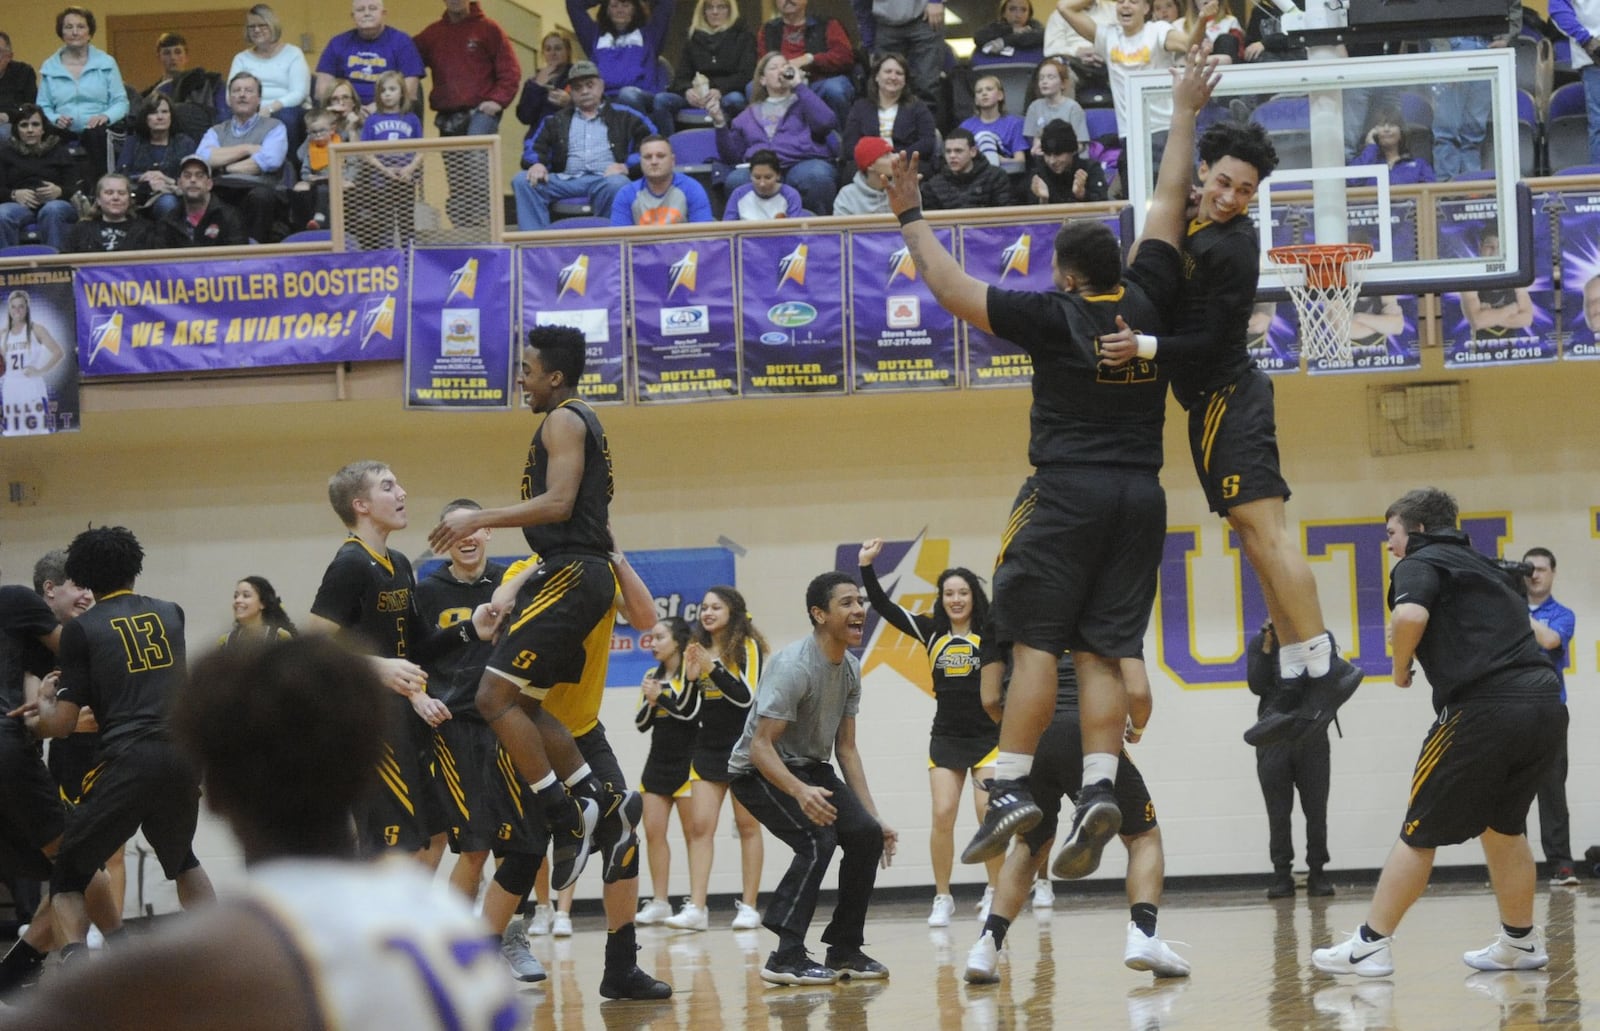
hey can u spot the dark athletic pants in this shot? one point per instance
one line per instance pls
(1281, 768)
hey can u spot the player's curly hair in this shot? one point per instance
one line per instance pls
(980, 600)
(286, 737)
(1247, 141)
(561, 349)
(741, 628)
(105, 559)
(1425, 508)
(1091, 249)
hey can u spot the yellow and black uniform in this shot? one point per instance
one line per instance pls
(372, 597)
(672, 733)
(963, 736)
(1501, 720)
(560, 628)
(30, 808)
(1233, 437)
(488, 804)
(125, 658)
(720, 702)
(1078, 559)
(1058, 764)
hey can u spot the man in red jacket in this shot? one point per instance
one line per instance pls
(820, 48)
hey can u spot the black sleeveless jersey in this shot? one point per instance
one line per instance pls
(1209, 348)
(124, 658)
(586, 531)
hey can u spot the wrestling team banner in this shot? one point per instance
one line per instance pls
(1016, 257)
(579, 286)
(685, 328)
(794, 298)
(39, 379)
(901, 338)
(202, 316)
(1509, 326)
(1578, 216)
(459, 353)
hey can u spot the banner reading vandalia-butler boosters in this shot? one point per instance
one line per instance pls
(902, 338)
(195, 316)
(580, 286)
(793, 290)
(685, 334)
(459, 350)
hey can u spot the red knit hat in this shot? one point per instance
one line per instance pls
(870, 149)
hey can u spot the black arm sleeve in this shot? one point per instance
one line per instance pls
(908, 623)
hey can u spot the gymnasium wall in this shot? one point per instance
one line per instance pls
(227, 477)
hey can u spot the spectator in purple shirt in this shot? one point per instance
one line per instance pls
(366, 52)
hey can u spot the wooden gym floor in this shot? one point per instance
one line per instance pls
(1251, 960)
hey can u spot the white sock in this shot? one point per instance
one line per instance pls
(1318, 654)
(1012, 765)
(1098, 766)
(544, 782)
(1292, 659)
(577, 775)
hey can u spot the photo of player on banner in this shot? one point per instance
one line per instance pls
(1580, 271)
(39, 377)
(1503, 326)
(1383, 327)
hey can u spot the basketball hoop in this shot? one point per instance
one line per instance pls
(1325, 300)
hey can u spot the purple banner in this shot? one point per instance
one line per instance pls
(685, 333)
(196, 316)
(793, 290)
(1580, 269)
(1510, 326)
(39, 374)
(1274, 338)
(901, 338)
(1015, 257)
(1383, 327)
(459, 349)
(581, 287)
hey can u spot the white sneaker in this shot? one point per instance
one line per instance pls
(690, 918)
(984, 905)
(983, 962)
(944, 907)
(745, 918)
(1044, 894)
(1146, 953)
(1508, 953)
(95, 939)
(561, 925)
(653, 912)
(539, 923)
(1354, 956)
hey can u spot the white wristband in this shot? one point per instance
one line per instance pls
(1146, 346)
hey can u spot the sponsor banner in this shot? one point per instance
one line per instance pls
(793, 313)
(1383, 327)
(685, 326)
(1579, 218)
(459, 347)
(901, 339)
(1014, 257)
(1274, 337)
(39, 378)
(580, 286)
(1509, 326)
(207, 315)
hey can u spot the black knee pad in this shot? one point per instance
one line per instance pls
(516, 873)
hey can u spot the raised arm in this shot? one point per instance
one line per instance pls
(958, 293)
(1191, 90)
(907, 622)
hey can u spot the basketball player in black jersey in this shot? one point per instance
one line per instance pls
(1079, 557)
(541, 689)
(124, 658)
(1233, 436)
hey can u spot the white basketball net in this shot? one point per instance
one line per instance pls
(1325, 300)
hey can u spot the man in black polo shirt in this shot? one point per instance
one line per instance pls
(1501, 724)
(1078, 559)
(124, 658)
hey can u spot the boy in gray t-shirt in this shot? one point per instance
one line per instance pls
(804, 714)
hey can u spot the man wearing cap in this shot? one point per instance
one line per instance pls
(865, 194)
(247, 151)
(204, 221)
(585, 151)
(1063, 176)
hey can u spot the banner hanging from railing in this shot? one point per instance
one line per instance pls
(1016, 257)
(39, 379)
(901, 339)
(580, 285)
(459, 348)
(202, 316)
(1579, 220)
(1508, 326)
(685, 320)
(1383, 327)
(793, 293)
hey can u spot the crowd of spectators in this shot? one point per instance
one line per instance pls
(801, 107)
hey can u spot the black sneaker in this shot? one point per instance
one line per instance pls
(855, 965)
(20, 968)
(796, 967)
(614, 835)
(633, 984)
(1275, 727)
(571, 834)
(1282, 886)
(1318, 885)
(1010, 812)
(1095, 822)
(1323, 695)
